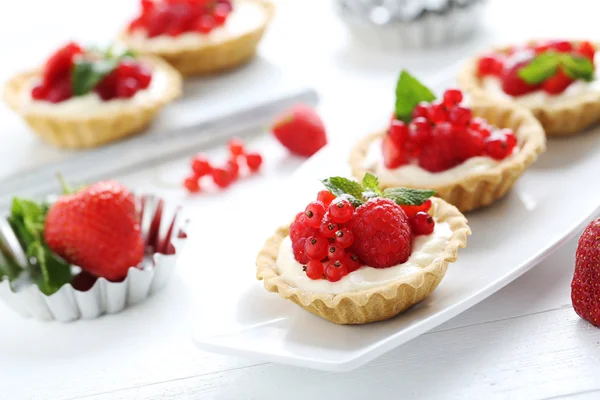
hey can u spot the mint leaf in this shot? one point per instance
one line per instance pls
(371, 185)
(409, 93)
(577, 67)
(540, 68)
(88, 73)
(346, 188)
(49, 271)
(408, 197)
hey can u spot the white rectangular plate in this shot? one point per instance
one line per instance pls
(554, 198)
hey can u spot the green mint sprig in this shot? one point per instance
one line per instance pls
(47, 270)
(89, 70)
(358, 194)
(409, 93)
(546, 65)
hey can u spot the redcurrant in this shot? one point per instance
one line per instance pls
(335, 270)
(422, 223)
(316, 248)
(344, 237)
(314, 213)
(314, 269)
(340, 211)
(326, 197)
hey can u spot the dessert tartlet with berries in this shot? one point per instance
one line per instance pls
(199, 37)
(359, 254)
(84, 98)
(470, 156)
(555, 79)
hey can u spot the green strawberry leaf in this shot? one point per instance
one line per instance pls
(49, 271)
(540, 68)
(408, 197)
(546, 64)
(577, 67)
(346, 188)
(409, 93)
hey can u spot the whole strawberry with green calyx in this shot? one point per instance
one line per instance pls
(97, 229)
(585, 287)
(300, 130)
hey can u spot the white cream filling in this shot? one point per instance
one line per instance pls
(245, 17)
(425, 250)
(412, 174)
(92, 104)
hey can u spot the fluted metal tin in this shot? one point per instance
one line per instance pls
(164, 233)
(401, 24)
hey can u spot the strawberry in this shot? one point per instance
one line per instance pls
(300, 130)
(97, 229)
(585, 287)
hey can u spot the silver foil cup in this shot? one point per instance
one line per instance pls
(410, 24)
(87, 297)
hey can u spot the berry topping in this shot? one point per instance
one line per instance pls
(315, 269)
(191, 184)
(201, 166)
(300, 130)
(375, 231)
(72, 71)
(422, 223)
(550, 65)
(440, 135)
(585, 287)
(314, 213)
(254, 161)
(236, 147)
(175, 17)
(325, 197)
(340, 211)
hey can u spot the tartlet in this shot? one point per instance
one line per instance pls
(76, 123)
(196, 54)
(474, 186)
(561, 113)
(376, 303)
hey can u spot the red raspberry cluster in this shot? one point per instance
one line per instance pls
(56, 86)
(443, 134)
(506, 66)
(332, 238)
(174, 17)
(225, 175)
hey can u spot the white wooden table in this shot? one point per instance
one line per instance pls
(525, 342)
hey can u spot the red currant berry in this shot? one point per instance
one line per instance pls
(205, 24)
(299, 254)
(234, 169)
(201, 165)
(476, 123)
(398, 132)
(352, 262)
(341, 211)
(315, 211)
(335, 270)
(314, 269)
(335, 252)
(452, 98)
(511, 140)
(496, 146)
(328, 228)
(191, 184)
(419, 131)
(421, 110)
(490, 65)
(221, 12)
(422, 223)
(460, 116)
(325, 197)
(221, 177)
(437, 113)
(412, 210)
(393, 156)
(254, 161)
(316, 248)
(236, 147)
(344, 237)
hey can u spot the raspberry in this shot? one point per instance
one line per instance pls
(335, 252)
(439, 154)
(344, 238)
(316, 248)
(335, 270)
(236, 147)
(422, 223)
(382, 234)
(340, 211)
(352, 262)
(326, 197)
(314, 269)
(254, 161)
(328, 228)
(201, 165)
(315, 211)
(469, 143)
